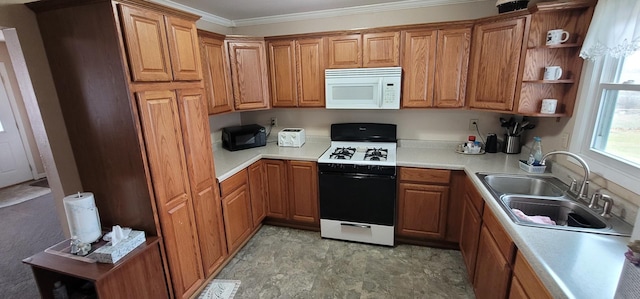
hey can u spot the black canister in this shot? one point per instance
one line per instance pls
(492, 143)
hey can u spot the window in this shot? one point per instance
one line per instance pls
(607, 128)
(617, 128)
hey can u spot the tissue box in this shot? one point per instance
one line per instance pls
(111, 254)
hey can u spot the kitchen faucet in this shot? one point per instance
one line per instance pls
(583, 193)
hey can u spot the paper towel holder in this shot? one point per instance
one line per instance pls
(84, 221)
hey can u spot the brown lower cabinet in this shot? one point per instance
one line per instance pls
(236, 208)
(257, 187)
(423, 199)
(292, 192)
(495, 267)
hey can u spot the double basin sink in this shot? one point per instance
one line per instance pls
(541, 195)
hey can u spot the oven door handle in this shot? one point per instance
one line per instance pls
(359, 175)
(355, 225)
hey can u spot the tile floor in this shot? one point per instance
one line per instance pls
(289, 263)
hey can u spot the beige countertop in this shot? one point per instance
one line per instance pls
(570, 264)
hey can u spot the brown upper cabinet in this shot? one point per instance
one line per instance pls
(510, 54)
(296, 69)
(249, 73)
(380, 49)
(216, 72)
(160, 47)
(493, 77)
(435, 67)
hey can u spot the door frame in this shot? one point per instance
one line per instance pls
(4, 77)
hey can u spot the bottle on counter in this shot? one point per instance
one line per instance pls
(535, 156)
(60, 291)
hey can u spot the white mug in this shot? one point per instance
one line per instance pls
(553, 72)
(549, 106)
(554, 37)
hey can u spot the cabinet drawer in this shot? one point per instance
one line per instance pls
(529, 281)
(503, 240)
(234, 182)
(432, 176)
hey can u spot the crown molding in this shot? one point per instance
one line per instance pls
(209, 17)
(318, 14)
(328, 13)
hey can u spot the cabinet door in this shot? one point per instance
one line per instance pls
(257, 181)
(182, 37)
(345, 51)
(146, 40)
(527, 280)
(516, 291)
(493, 272)
(236, 208)
(497, 48)
(202, 178)
(276, 189)
(451, 68)
(165, 152)
(381, 49)
(249, 74)
(310, 72)
(422, 210)
(303, 192)
(282, 71)
(469, 235)
(419, 68)
(217, 76)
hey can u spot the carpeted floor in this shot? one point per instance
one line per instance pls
(25, 229)
(22, 192)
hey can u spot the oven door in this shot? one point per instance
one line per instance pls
(364, 198)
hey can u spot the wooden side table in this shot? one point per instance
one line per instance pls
(139, 274)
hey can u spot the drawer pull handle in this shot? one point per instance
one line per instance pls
(356, 225)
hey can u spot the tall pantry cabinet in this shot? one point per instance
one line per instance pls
(129, 79)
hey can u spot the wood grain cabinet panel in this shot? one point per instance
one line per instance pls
(497, 47)
(345, 51)
(470, 227)
(236, 208)
(381, 49)
(282, 71)
(257, 187)
(452, 62)
(249, 74)
(303, 191)
(162, 134)
(419, 68)
(525, 281)
(493, 272)
(146, 39)
(310, 72)
(422, 210)
(216, 73)
(184, 50)
(202, 178)
(277, 193)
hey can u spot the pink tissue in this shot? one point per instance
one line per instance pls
(534, 219)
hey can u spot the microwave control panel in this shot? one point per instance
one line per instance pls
(389, 93)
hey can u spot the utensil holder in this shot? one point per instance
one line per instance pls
(511, 144)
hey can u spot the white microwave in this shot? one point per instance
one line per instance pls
(363, 88)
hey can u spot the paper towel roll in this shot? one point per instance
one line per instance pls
(82, 216)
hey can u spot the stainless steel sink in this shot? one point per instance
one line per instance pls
(529, 185)
(542, 195)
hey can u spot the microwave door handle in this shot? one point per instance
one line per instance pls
(381, 94)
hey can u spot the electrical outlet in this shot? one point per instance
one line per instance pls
(274, 122)
(472, 124)
(564, 140)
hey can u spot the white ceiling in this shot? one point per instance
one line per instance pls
(253, 12)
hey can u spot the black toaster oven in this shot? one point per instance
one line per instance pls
(243, 137)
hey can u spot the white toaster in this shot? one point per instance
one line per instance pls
(292, 137)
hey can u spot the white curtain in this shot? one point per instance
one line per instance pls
(614, 29)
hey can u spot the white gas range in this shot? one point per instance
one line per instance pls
(361, 153)
(357, 183)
